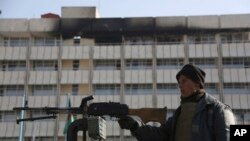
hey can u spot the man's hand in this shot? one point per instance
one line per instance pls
(128, 122)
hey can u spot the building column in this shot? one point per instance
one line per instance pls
(186, 49)
(122, 81)
(1, 41)
(220, 67)
(58, 94)
(154, 71)
(91, 69)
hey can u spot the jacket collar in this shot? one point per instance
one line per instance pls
(204, 102)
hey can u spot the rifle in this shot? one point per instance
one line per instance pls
(111, 109)
(101, 109)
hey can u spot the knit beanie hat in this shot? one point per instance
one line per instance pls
(194, 73)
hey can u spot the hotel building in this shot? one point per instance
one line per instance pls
(132, 60)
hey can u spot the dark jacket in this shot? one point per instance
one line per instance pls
(211, 122)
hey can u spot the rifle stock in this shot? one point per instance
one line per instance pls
(150, 114)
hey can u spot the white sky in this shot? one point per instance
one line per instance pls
(126, 8)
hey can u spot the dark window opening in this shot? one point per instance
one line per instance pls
(75, 89)
(76, 65)
(106, 39)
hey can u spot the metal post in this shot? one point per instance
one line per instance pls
(74, 127)
(21, 125)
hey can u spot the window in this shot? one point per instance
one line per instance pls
(75, 64)
(204, 62)
(3, 65)
(44, 139)
(45, 65)
(44, 90)
(75, 89)
(9, 139)
(139, 40)
(138, 89)
(239, 117)
(46, 42)
(13, 42)
(138, 64)
(16, 42)
(106, 89)
(12, 90)
(236, 88)
(169, 63)
(234, 37)
(107, 65)
(39, 139)
(167, 89)
(211, 88)
(236, 62)
(242, 117)
(13, 65)
(16, 65)
(8, 116)
(201, 39)
(174, 39)
(1, 91)
(247, 118)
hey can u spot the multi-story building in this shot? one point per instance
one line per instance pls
(127, 60)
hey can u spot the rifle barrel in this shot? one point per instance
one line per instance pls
(51, 110)
(35, 118)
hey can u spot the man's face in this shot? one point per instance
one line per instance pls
(187, 86)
